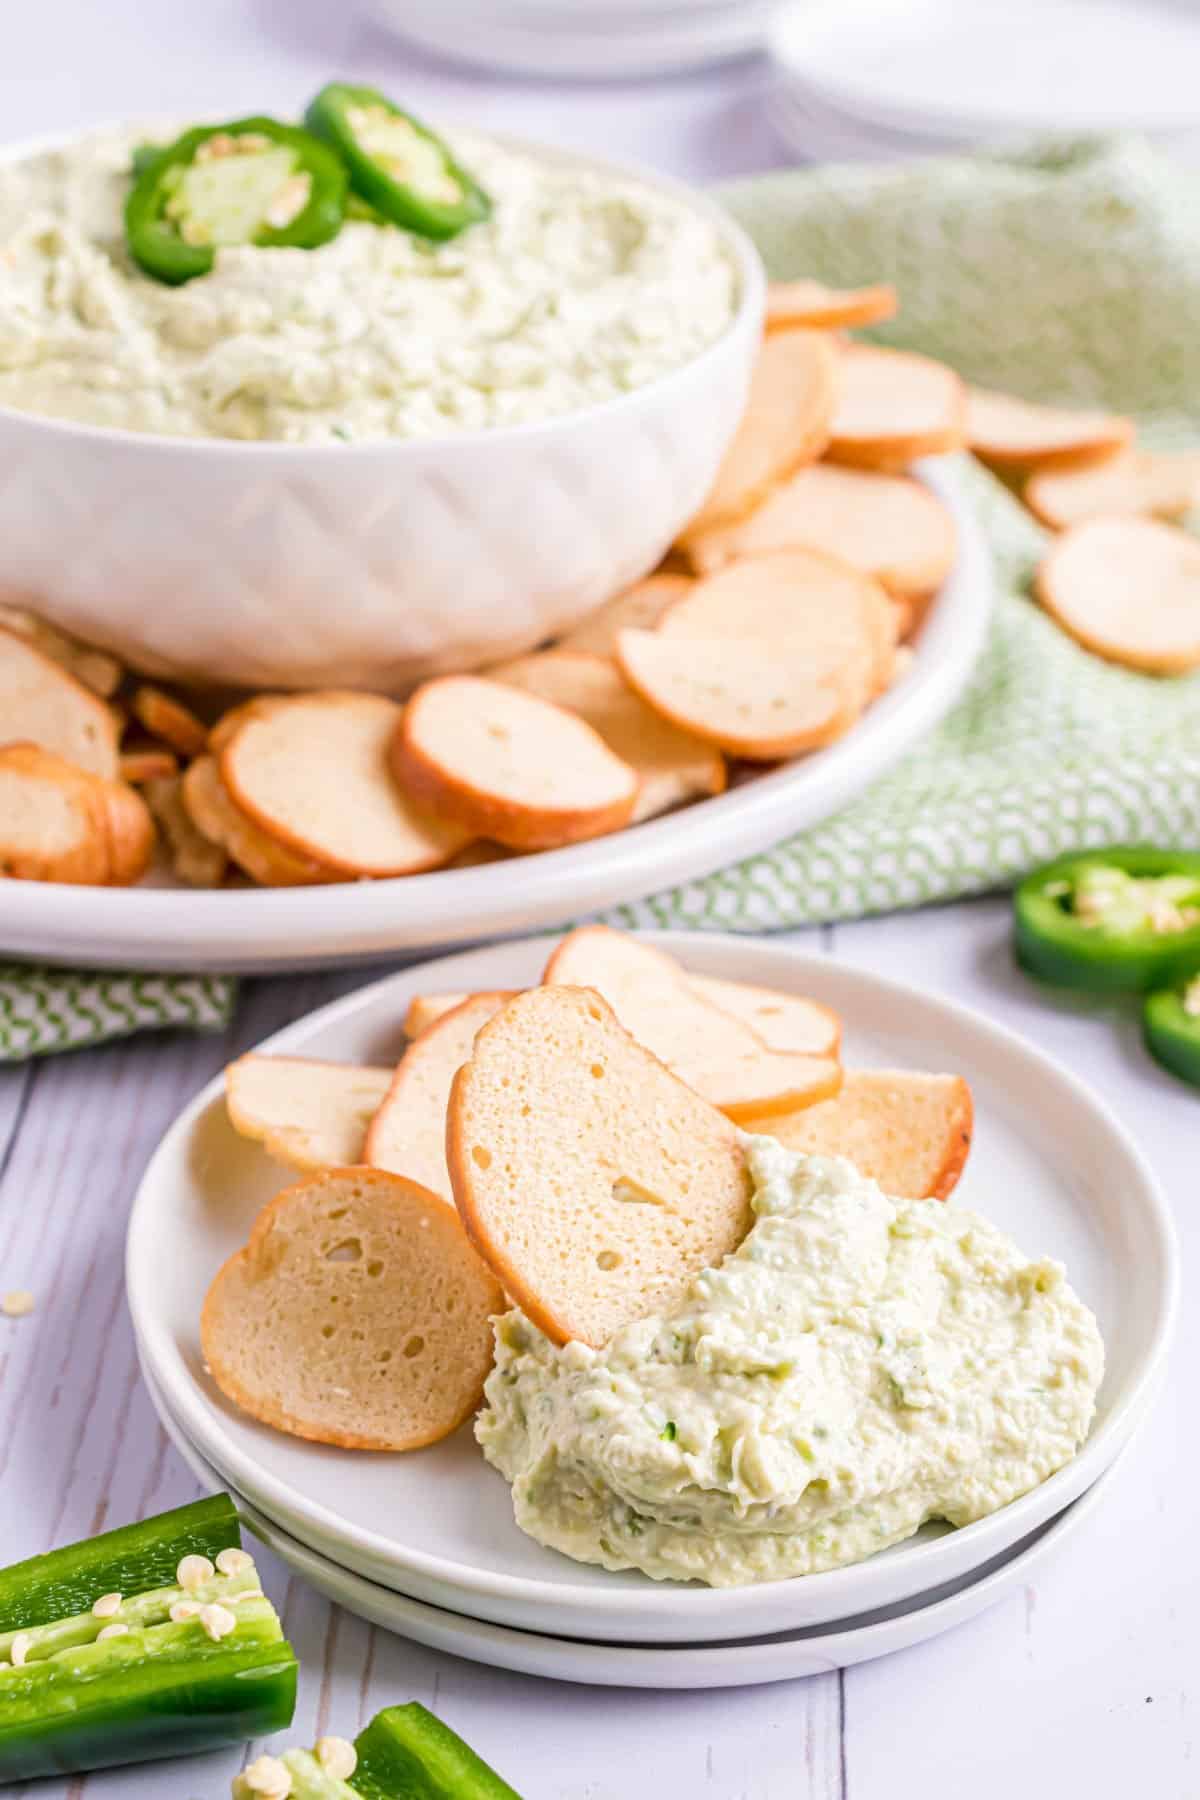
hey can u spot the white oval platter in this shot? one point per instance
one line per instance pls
(1049, 1164)
(743, 1663)
(261, 929)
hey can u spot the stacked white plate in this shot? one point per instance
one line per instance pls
(425, 1544)
(596, 39)
(884, 79)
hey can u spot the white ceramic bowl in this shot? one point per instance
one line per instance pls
(365, 565)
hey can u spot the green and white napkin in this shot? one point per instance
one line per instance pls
(45, 1010)
(1067, 273)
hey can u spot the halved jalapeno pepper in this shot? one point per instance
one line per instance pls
(1171, 1028)
(251, 181)
(1119, 920)
(153, 1640)
(396, 164)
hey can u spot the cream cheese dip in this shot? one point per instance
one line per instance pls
(581, 286)
(858, 1366)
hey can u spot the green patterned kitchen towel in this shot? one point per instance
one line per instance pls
(1069, 272)
(46, 1010)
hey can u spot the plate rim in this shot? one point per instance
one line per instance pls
(972, 1544)
(196, 931)
(791, 52)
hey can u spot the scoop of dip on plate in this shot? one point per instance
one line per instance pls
(858, 1366)
(581, 285)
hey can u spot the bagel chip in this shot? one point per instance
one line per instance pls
(793, 394)
(218, 821)
(796, 601)
(811, 303)
(96, 669)
(140, 766)
(723, 1058)
(357, 1315)
(1129, 591)
(305, 1113)
(408, 1131)
(52, 824)
(1155, 484)
(639, 607)
(509, 766)
(594, 1183)
(130, 829)
(671, 765)
(784, 1022)
(313, 773)
(425, 1010)
(194, 858)
(886, 526)
(909, 1132)
(40, 703)
(1010, 432)
(894, 406)
(59, 822)
(167, 718)
(751, 699)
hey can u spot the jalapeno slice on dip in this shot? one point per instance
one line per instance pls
(1171, 1028)
(396, 164)
(251, 181)
(1120, 920)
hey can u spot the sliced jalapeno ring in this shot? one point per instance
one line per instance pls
(1118, 920)
(1171, 1028)
(397, 165)
(251, 181)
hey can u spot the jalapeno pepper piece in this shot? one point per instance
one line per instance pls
(196, 1661)
(165, 1690)
(131, 1560)
(1110, 921)
(144, 155)
(1171, 1028)
(406, 1753)
(396, 164)
(250, 181)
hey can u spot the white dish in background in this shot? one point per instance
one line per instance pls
(1048, 1163)
(741, 1663)
(985, 71)
(542, 38)
(366, 564)
(809, 123)
(290, 928)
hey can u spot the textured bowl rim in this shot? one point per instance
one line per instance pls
(748, 313)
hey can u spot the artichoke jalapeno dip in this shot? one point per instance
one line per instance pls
(578, 287)
(858, 1366)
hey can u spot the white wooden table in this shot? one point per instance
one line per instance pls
(1089, 1681)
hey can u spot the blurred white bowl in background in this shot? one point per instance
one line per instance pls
(589, 39)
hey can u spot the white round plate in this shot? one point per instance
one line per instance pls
(1026, 66)
(743, 1663)
(528, 40)
(289, 928)
(816, 135)
(1048, 1163)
